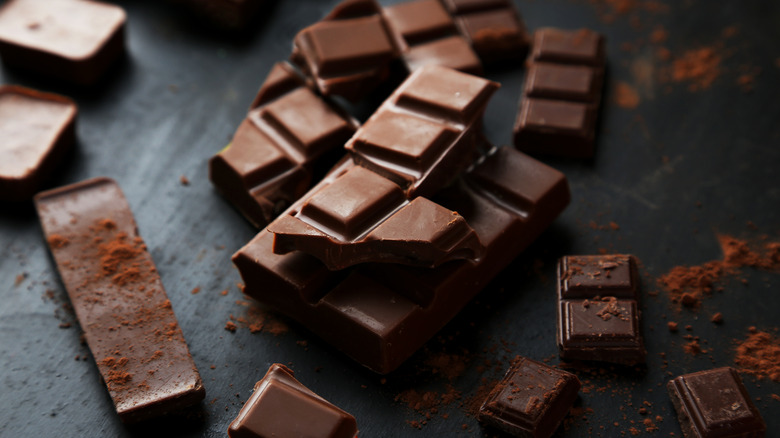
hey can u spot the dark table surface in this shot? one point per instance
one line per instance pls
(674, 172)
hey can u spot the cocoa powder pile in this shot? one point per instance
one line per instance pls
(759, 355)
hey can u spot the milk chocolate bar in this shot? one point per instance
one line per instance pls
(426, 35)
(426, 132)
(36, 129)
(531, 400)
(562, 93)
(289, 132)
(349, 52)
(380, 314)
(715, 403)
(598, 309)
(281, 406)
(76, 41)
(119, 299)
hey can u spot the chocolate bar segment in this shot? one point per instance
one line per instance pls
(531, 400)
(380, 313)
(576, 47)
(281, 406)
(556, 127)
(362, 217)
(598, 314)
(576, 83)
(76, 41)
(119, 299)
(289, 132)
(37, 129)
(426, 132)
(715, 403)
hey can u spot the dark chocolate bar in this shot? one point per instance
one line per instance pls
(598, 314)
(379, 314)
(349, 52)
(426, 132)
(273, 155)
(562, 93)
(426, 35)
(531, 400)
(119, 299)
(36, 129)
(282, 407)
(76, 41)
(362, 217)
(714, 403)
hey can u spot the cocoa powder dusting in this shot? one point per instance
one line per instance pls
(626, 96)
(759, 355)
(698, 67)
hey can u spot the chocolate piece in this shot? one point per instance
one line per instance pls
(598, 315)
(272, 159)
(577, 47)
(119, 299)
(282, 407)
(362, 217)
(531, 400)
(76, 40)
(426, 132)
(349, 52)
(36, 129)
(427, 35)
(556, 127)
(715, 403)
(379, 314)
(576, 83)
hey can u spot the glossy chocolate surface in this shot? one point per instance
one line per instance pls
(36, 130)
(577, 83)
(75, 40)
(281, 406)
(577, 47)
(714, 403)
(531, 400)
(497, 35)
(598, 314)
(119, 300)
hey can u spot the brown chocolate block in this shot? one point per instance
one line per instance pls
(380, 314)
(281, 406)
(36, 130)
(453, 52)
(76, 41)
(556, 127)
(288, 132)
(498, 35)
(575, 83)
(714, 403)
(531, 400)
(426, 132)
(578, 47)
(119, 299)
(463, 6)
(361, 217)
(598, 315)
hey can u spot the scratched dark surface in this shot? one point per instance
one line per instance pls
(672, 173)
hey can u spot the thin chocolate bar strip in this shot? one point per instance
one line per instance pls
(562, 93)
(349, 52)
(76, 41)
(598, 314)
(427, 35)
(493, 28)
(427, 132)
(714, 403)
(282, 407)
(531, 400)
(288, 133)
(380, 314)
(362, 217)
(119, 299)
(36, 129)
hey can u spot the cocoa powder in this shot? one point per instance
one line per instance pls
(759, 355)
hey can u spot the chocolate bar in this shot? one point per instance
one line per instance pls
(531, 400)
(598, 309)
(493, 28)
(426, 132)
(715, 403)
(119, 299)
(76, 41)
(349, 52)
(37, 129)
(274, 155)
(282, 407)
(562, 94)
(426, 35)
(379, 313)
